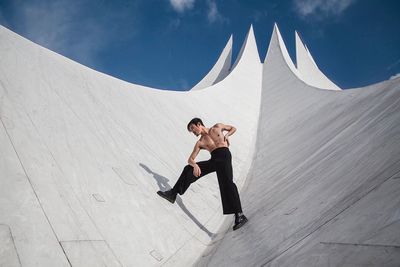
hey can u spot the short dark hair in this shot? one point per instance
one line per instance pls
(194, 121)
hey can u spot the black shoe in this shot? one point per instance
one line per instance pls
(239, 222)
(168, 195)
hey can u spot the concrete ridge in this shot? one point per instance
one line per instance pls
(315, 180)
(308, 69)
(220, 69)
(89, 146)
(84, 153)
(248, 49)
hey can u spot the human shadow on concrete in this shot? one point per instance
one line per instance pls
(162, 183)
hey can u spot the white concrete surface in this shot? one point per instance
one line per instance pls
(83, 154)
(282, 47)
(309, 71)
(323, 189)
(306, 70)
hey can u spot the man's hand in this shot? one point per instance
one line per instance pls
(196, 170)
(226, 140)
(231, 130)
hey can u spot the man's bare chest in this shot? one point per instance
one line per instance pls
(214, 137)
(215, 133)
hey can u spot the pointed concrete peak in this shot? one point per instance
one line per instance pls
(277, 40)
(274, 35)
(220, 69)
(230, 40)
(297, 38)
(302, 51)
(278, 32)
(297, 35)
(308, 69)
(276, 28)
(229, 43)
(272, 41)
(300, 41)
(249, 47)
(250, 33)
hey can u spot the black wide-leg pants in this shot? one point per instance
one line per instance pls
(220, 162)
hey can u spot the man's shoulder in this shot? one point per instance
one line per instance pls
(200, 144)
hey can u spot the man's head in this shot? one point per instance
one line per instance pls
(194, 126)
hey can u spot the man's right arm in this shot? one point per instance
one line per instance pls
(196, 168)
(194, 154)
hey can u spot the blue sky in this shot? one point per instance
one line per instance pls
(171, 44)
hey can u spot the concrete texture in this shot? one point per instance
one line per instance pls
(309, 71)
(323, 187)
(83, 154)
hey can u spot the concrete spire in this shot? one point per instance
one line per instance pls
(248, 53)
(82, 155)
(277, 40)
(220, 69)
(326, 163)
(309, 71)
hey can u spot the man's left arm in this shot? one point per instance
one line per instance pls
(231, 130)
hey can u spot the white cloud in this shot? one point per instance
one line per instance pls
(181, 5)
(213, 15)
(321, 8)
(51, 25)
(73, 30)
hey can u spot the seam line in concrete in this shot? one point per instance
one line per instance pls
(358, 244)
(30, 182)
(332, 218)
(12, 238)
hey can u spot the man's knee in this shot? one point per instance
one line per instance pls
(188, 168)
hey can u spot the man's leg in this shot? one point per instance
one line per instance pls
(186, 178)
(229, 193)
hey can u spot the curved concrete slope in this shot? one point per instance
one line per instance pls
(248, 51)
(83, 154)
(309, 71)
(323, 189)
(220, 69)
(276, 34)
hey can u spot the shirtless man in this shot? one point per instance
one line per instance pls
(213, 140)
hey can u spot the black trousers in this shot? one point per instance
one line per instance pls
(221, 162)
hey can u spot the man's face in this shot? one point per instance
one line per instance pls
(196, 130)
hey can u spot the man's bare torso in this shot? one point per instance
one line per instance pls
(214, 139)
